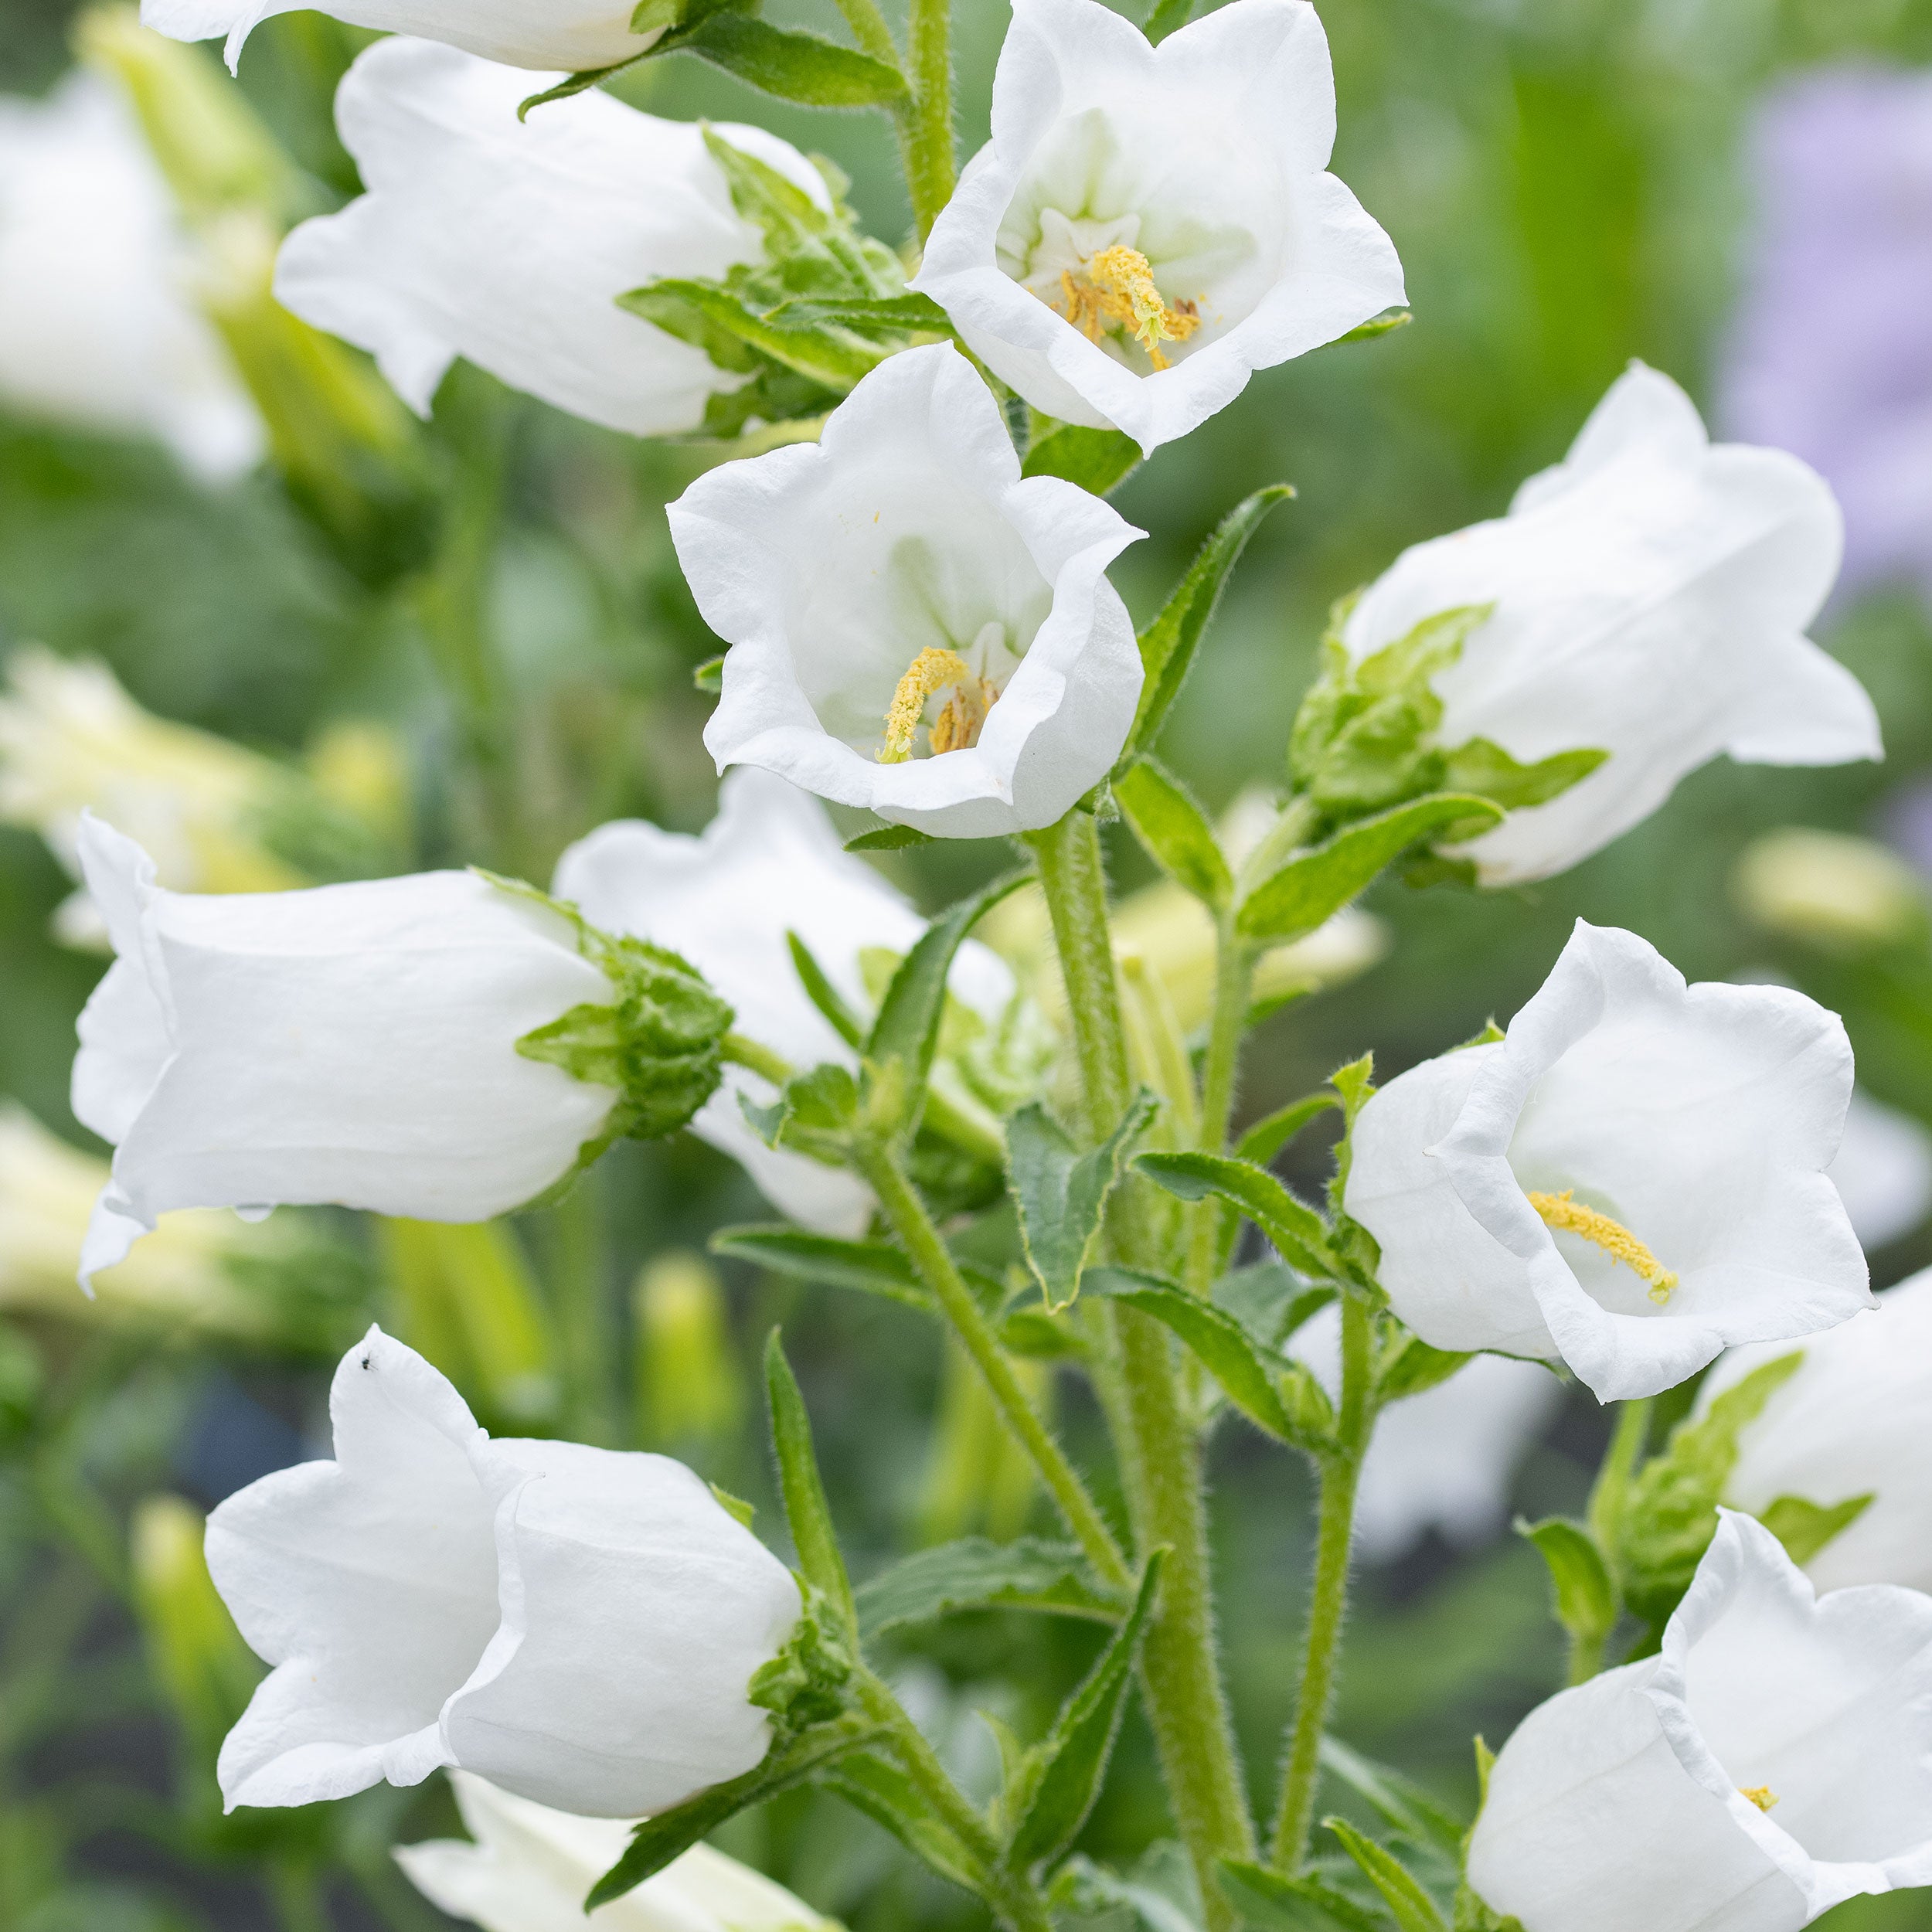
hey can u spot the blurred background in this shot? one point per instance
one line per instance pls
(469, 641)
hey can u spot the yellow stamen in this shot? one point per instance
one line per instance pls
(1116, 290)
(958, 723)
(1761, 1795)
(1616, 1240)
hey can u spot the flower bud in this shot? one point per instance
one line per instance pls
(693, 1389)
(1768, 1764)
(580, 1626)
(529, 1867)
(1848, 894)
(442, 1047)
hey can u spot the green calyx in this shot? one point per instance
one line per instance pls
(1365, 737)
(809, 1682)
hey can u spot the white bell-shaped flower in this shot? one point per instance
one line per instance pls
(770, 863)
(98, 324)
(1444, 1460)
(574, 34)
(355, 1044)
(507, 242)
(1851, 1421)
(1774, 1761)
(1650, 594)
(1149, 226)
(580, 1626)
(915, 628)
(1631, 1181)
(529, 1868)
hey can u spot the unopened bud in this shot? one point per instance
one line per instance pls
(1831, 888)
(690, 1386)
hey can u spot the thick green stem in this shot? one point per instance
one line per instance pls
(741, 1052)
(1328, 1607)
(1233, 981)
(906, 1213)
(932, 167)
(1179, 1666)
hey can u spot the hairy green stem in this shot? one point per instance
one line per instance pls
(743, 1052)
(1233, 982)
(904, 1208)
(1179, 1667)
(932, 166)
(1328, 1606)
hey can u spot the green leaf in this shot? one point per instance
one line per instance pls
(709, 676)
(1175, 831)
(1225, 1349)
(1270, 1299)
(802, 67)
(1805, 1528)
(910, 314)
(883, 1790)
(806, 1509)
(1266, 1138)
(1299, 1234)
(659, 1840)
(1169, 644)
(975, 1574)
(1061, 1194)
(1412, 1809)
(1273, 1903)
(1169, 17)
(823, 994)
(1085, 1889)
(1584, 1595)
(1314, 885)
(1047, 1807)
(1389, 320)
(816, 1114)
(1099, 461)
(733, 333)
(888, 838)
(906, 1030)
(1414, 1911)
(1487, 770)
(872, 1266)
(574, 83)
(1414, 1367)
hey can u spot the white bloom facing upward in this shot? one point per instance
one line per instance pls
(1851, 1421)
(508, 242)
(355, 1044)
(529, 1868)
(1775, 1760)
(1651, 594)
(915, 628)
(570, 34)
(1632, 1180)
(98, 328)
(580, 1626)
(770, 863)
(1149, 226)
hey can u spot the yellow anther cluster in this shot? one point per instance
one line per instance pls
(1116, 290)
(958, 723)
(1616, 1240)
(1761, 1795)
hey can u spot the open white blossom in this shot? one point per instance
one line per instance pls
(98, 325)
(901, 561)
(1634, 1179)
(770, 863)
(529, 1868)
(1444, 1460)
(1650, 592)
(353, 1043)
(1149, 226)
(507, 242)
(574, 34)
(1851, 1421)
(1775, 1760)
(580, 1626)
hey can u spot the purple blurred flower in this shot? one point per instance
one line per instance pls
(1830, 355)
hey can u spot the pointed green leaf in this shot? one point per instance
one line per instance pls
(1061, 1194)
(975, 1574)
(1175, 831)
(732, 333)
(803, 1489)
(1300, 1235)
(823, 994)
(1169, 644)
(1099, 461)
(1065, 1770)
(573, 83)
(888, 838)
(1270, 1301)
(1085, 1889)
(816, 1114)
(1487, 770)
(1414, 1367)
(880, 1788)
(1412, 1809)
(709, 677)
(802, 67)
(1168, 17)
(1390, 320)
(1583, 1596)
(1266, 1138)
(869, 314)
(873, 1267)
(1414, 1911)
(1805, 1528)
(1271, 1903)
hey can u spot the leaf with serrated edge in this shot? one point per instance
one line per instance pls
(1060, 1194)
(975, 1574)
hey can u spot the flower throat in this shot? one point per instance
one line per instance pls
(1558, 1211)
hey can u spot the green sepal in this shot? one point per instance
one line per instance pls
(1411, 1367)
(1804, 1527)
(1099, 461)
(1169, 16)
(808, 1681)
(975, 1574)
(709, 677)
(1485, 769)
(1174, 830)
(816, 1114)
(1060, 1193)
(745, 1514)
(1386, 324)
(888, 838)
(1412, 1908)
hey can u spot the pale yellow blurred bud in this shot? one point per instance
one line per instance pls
(1831, 888)
(690, 1386)
(361, 766)
(178, 1276)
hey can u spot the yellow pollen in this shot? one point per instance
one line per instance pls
(1761, 1795)
(1616, 1240)
(1116, 290)
(958, 723)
